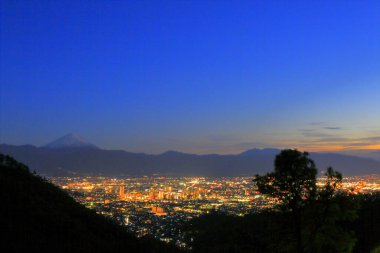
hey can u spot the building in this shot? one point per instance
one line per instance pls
(121, 192)
(158, 210)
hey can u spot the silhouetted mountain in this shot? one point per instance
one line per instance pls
(373, 154)
(70, 140)
(118, 163)
(376, 155)
(257, 151)
(349, 165)
(36, 216)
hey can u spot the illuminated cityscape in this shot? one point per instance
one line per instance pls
(190, 126)
(159, 206)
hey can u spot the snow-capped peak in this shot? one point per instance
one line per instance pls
(70, 140)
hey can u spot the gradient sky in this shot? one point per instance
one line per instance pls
(195, 76)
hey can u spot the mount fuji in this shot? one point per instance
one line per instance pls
(73, 155)
(70, 140)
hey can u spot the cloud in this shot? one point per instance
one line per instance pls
(335, 139)
(321, 140)
(317, 123)
(306, 130)
(332, 128)
(321, 136)
(314, 133)
(373, 139)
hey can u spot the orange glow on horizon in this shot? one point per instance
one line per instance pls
(338, 148)
(367, 147)
(307, 148)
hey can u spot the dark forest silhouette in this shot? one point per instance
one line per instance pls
(36, 215)
(310, 219)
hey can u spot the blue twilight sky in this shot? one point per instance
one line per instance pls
(195, 76)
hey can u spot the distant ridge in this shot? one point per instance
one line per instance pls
(71, 140)
(263, 151)
(88, 160)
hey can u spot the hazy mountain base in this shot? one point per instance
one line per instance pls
(90, 161)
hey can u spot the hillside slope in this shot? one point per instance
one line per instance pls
(36, 215)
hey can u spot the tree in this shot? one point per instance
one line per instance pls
(313, 211)
(293, 181)
(367, 226)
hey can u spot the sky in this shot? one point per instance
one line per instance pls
(194, 76)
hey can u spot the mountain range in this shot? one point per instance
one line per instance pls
(73, 155)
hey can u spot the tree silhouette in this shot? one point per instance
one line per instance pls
(314, 212)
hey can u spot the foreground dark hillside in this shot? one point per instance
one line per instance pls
(367, 226)
(309, 218)
(270, 231)
(36, 215)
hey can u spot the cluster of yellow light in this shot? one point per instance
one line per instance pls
(151, 195)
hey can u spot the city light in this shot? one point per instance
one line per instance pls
(158, 206)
